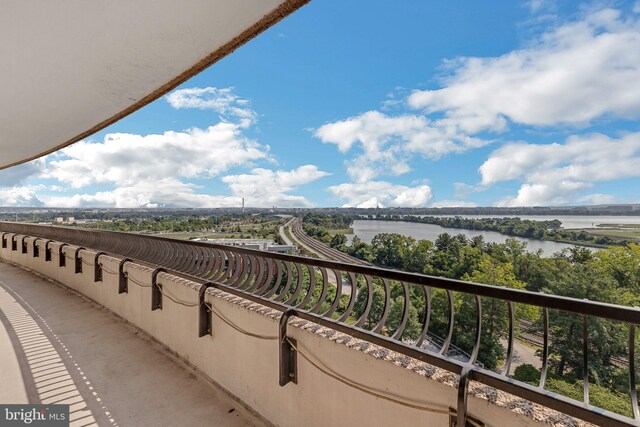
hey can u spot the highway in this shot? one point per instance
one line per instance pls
(316, 247)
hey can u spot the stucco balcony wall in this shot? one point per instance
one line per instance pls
(247, 367)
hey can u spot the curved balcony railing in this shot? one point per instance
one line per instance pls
(356, 300)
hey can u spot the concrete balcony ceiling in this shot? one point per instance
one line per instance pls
(72, 67)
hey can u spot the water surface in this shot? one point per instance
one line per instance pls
(366, 230)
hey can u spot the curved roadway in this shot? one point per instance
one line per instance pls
(319, 248)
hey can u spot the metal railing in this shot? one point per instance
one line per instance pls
(356, 300)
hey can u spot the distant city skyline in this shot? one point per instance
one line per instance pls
(419, 104)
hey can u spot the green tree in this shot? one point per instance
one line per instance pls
(389, 249)
(418, 259)
(495, 317)
(338, 241)
(606, 338)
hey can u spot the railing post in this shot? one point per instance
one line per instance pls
(156, 290)
(78, 264)
(62, 258)
(288, 357)
(123, 283)
(463, 392)
(205, 326)
(35, 248)
(97, 268)
(47, 251)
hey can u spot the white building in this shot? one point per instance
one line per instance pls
(258, 244)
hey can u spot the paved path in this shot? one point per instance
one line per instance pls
(59, 347)
(283, 235)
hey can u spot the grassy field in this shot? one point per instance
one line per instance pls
(619, 225)
(340, 231)
(617, 234)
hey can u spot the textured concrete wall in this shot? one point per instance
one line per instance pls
(248, 367)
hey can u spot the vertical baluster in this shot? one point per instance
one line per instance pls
(300, 285)
(385, 310)
(252, 272)
(447, 341)
(266, 274)
(427, 316)
(545, 347)
(405, 312)
(507, 363)
(323, 293)
(585, 358)
(312, 285)
(365, 313)
(336, 301)
(282, 295)
(268, 293)
(632, 371)
(476, 348)
(352, 298)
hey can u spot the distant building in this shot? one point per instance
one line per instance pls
(59, 220)
(71, 219)
(257, 244)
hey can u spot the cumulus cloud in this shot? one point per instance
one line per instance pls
(160, 170)
(165, 192)
(265, 187)
(386, 142)
(453, 204)
(124, 159)
(573, 74)
(384, 194)
(221, 100)
(20, 196)
(597, 199)
(16, 175)
(559, 173)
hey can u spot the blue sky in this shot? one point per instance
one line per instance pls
(408, 103)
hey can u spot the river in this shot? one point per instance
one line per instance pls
(366, 230)
(568, 221)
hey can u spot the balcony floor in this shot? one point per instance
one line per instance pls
(59, 347)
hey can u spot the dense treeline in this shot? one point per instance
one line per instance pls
(334, 222)
(540, 230)
(221, 223)
(611, 275)
(317, 226)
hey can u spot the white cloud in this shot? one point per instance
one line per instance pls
(597, 199)
(19, 196)
(125, 159)
(158, 170)
(384, 194)
(387, 142)
(573, 74)
(223, 101)
(166, 192)
(264, 187)
(13, 176)
(536, 5)
(558, 173)
(453, 204)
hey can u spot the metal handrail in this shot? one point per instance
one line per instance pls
(279, 281)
